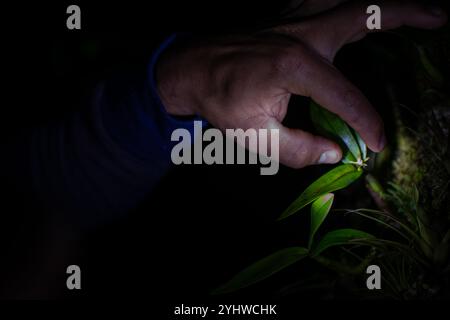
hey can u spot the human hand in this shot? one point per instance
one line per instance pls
(246, 81)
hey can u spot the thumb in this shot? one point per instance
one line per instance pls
(300, 149)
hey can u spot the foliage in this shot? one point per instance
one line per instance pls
(319, 195)
(412, 223)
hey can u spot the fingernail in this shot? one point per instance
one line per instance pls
(329, 156)
(382, 142)
(434, 10)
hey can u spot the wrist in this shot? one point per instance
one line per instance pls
(172, 84)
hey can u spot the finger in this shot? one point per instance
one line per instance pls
(307, 74)
(300, 149)
(330, 31)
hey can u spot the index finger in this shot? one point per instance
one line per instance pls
(330, 31)
(308, 74)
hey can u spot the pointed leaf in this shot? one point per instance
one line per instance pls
(336, 179)
(263, 269)
(331, 125)
(348, 157)
(319, 211)
(362, 144)
(339, 237)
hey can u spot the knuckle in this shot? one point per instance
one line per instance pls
(287, 59)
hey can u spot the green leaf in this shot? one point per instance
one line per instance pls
(362, 145)
(336, 179)
(331, 125)
(348, 158)
(319, 211)
(263, 269)
(339, 237)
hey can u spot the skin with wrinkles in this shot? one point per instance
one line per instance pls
(246, 81)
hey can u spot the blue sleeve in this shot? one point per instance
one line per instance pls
(102, 161)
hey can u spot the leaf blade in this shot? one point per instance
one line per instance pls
(263, 269)
(339, 237)
(331, 125)
(362, 145)
(319, 211)
(336, 179)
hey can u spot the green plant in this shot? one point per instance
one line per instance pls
(412, 223)
(319, 195)
(414, 203)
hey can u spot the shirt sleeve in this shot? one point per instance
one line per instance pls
(102, 161)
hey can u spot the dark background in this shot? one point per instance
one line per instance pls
(197, 223)
(202, 224)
